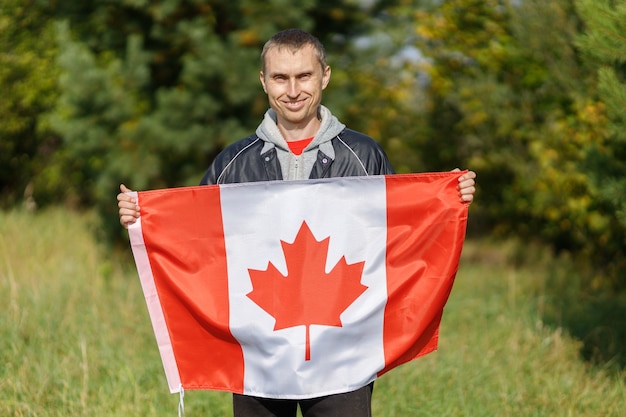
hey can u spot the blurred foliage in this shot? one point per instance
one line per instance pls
(530, 94)
(604, 45)
(151, 91)
(504, 82)
(510, 96)
(28, 80)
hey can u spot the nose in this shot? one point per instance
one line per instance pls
(293, 89)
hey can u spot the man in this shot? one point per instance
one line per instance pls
(297, 139)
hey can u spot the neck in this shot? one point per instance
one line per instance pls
(294, 132)
(299, 131)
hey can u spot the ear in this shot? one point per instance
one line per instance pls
(262, 78)
(326, 77)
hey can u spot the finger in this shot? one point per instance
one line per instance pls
(127, 221)
(128, 214)
(467, 194)
(467, 198)
(466, 184)
(128, 209)
(467, 190)
(122, 196)
(469, 175)
(126, 203)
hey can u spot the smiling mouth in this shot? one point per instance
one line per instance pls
(294, 104)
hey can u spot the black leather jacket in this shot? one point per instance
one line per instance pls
(356, 154)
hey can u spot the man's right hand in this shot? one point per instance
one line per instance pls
(128, 208)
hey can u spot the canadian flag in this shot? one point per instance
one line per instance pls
(297, 289)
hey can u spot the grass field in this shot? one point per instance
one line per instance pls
(75, 338)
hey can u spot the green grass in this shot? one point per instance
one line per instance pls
(75, 338)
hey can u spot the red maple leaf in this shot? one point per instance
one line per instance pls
(307, 295)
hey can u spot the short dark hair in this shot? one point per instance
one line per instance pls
(294, 39)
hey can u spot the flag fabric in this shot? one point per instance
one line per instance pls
(297, 289)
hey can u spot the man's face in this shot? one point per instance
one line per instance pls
(294, 82)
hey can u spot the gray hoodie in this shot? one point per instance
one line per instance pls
(296, 167)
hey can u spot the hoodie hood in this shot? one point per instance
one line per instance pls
(293, 166)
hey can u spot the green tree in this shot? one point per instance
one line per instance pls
(379, 91)
(152, 90)
(501, 76)
(28, 77)
(510, 96)
(604, 44)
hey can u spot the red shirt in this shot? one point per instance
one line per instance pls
(297, 146)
